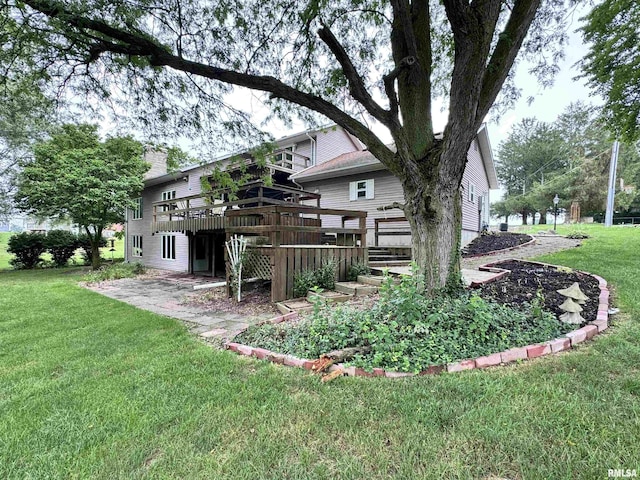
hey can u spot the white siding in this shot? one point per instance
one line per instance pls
(336, 193)
(387, 189)
(152, 244)
(475, 174)
(332, 143)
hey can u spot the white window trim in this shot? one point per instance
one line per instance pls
(472, 193)
(368, 190)
(169, 244)
(137, 246)
(282, 151)
(167, 196)
(137, 209)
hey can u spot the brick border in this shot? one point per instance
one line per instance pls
(557, 345)
(497, 252)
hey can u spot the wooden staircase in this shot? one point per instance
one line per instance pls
(389, 256)
(343, 291)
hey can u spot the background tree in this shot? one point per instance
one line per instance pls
(334, 58)
(533, 153)
(75, 176)
(26, 116)
(612, 64)
(574, 158)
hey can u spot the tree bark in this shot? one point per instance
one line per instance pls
(94, 239)
(543, 217)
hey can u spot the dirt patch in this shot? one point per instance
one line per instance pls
(492, 242)
(254, 302)
(527, 280)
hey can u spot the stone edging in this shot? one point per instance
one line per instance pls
(497, 252)
(557, 345)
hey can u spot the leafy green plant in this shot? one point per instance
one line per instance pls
(577, 235)
(407, 331)
(61, 244)
(323, 277)
(27, 248)
(357, 269)
(115, 272)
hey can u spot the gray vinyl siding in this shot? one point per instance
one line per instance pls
(387, 189)
(329, 144)
(152, 244)
(332, 143)
(476, 174)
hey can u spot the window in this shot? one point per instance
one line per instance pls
(166, 197)
(472, 192)
(136, 211)
(168, 247)
(136, 246)
(284, 158)
(361, 190)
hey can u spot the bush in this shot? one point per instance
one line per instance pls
(324, 277)
(356, 270)
(115, 272)
(85, 244)
(61, 244)
(577, 235)
(407, 331)
(27, 248)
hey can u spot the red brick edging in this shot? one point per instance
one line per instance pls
(496, 252)
(557, 345)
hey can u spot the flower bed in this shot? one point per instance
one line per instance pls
(297, 337)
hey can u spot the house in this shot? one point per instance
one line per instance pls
(326, 188)
(357, 180)
(175, 227)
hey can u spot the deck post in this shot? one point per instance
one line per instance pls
(363, 232)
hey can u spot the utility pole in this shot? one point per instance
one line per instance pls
(611, 193)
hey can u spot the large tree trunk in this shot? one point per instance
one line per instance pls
(433, 207)
(435, 220)
(525, 216)
(543, 217)
(94, 239)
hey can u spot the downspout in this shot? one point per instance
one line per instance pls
(313, 148)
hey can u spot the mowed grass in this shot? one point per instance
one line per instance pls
(105, 252)
(94, 388)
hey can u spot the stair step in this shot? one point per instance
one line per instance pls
(375, 280)
(331, 296)
(355, 288)
(396, 263)
(294, 305)
(384, 258)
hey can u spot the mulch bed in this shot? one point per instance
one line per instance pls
(491, 242)
(254, 302)
(526, 279)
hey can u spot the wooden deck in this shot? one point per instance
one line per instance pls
(278, 224)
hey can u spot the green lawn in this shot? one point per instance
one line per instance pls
(106, 253)
(93, 388)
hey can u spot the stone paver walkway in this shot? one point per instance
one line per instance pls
(165, 294)
(544, 244)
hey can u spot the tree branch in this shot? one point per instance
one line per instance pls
(357, 87)
(140, 44)
(394, 205)
(501, 61)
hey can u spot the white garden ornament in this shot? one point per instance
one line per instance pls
(571, 306)
(235, 248)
